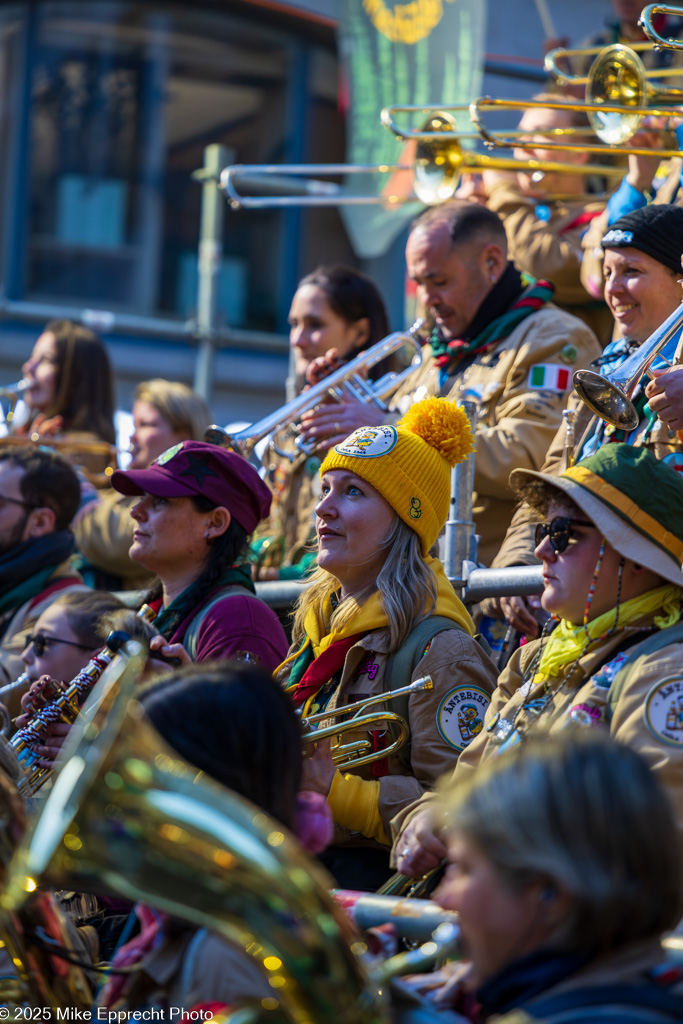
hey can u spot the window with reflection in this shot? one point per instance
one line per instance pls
(123, 99)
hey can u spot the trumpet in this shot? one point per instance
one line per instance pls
(13, 392)
(85, 453)
(353, 755)
(347, 381)
(610, 397)
(660, 42)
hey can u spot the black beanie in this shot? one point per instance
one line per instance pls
(655, 230)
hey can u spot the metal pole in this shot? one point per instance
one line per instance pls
(210, 252)
(459, 540)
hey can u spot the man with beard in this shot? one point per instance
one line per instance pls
(39, 496)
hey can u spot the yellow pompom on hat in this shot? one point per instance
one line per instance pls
(410, 464)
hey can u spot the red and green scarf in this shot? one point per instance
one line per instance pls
(533, 297)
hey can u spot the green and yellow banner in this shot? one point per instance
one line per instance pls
(399, 54)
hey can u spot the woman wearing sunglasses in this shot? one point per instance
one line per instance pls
(610, 657)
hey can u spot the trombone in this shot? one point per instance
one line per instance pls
(620, 115)
(313, 192)
(618, 91)
(660, 42)
(610, 396)
(353, 754)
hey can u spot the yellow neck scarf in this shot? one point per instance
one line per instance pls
(370, 615)
(568, 642)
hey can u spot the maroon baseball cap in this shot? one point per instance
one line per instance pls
(194, 467)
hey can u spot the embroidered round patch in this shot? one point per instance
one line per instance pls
(663, 710)
(460, 716)
(169, 454)
(675, 460)
(369, 442)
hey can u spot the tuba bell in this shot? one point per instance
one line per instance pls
(128, 814)
(610, 396)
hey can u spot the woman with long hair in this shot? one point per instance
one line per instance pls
(70, 395)
(380, 613)
(198, 504)
(336, 312)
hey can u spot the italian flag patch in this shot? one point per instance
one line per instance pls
(549, 377)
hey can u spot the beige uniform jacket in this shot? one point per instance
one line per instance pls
(104, 535)
(291, 524)
(518, 546)
(642, 717)
(193, 968)
(551, 249)
(442, 721)
(516, 422)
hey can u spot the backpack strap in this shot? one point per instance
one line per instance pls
(401, 665)
(192, 632)
(634, 664)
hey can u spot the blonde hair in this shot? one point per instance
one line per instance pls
(406, 585)
(583, 814)
(183, 408)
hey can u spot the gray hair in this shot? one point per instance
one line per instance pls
(586, 815)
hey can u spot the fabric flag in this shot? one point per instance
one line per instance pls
(549, 377)
(398, 54)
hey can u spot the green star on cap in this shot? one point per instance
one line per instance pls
(169, 454)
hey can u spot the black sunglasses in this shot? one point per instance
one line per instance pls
(559, 532)
(4, 500)
(41, 642)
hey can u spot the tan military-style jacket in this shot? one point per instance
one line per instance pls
(518, 546)
(290, 526)
(442, 721)
(516, 422)
(641, 717)
(551, 249)
(104, 534)
(192, 968)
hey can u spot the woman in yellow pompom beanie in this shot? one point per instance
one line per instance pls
(380, 613)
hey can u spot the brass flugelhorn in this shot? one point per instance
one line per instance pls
(358, 752)
(610, 396)
(347, 381)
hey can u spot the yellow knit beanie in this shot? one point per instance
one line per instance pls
(410, 464)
